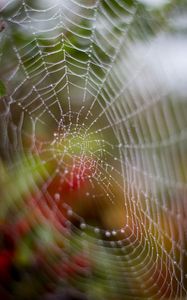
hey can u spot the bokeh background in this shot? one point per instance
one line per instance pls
(93, 127)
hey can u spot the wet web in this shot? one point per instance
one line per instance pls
(86, 102)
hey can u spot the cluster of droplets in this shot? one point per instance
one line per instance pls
(107, 138)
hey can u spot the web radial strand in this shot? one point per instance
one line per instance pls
(95, 95)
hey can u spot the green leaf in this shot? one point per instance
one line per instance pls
(2, 89)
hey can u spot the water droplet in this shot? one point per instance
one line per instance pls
(96, 230)
(107, 233)
(57, 196)
(82, 225)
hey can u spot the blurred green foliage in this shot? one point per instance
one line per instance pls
(2, 89)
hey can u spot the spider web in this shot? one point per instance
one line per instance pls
(89, 94)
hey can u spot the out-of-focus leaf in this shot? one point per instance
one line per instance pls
(2, 89)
